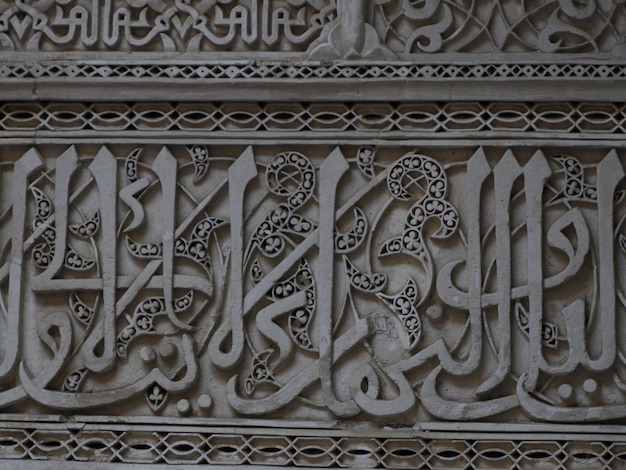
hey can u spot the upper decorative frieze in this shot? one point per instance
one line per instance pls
(318, 29)
(160, 25)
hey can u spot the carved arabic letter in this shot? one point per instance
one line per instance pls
(574, 315)
(165, 167)
(127, 195)
(265, 323)
(59, 342)
(66, 164)
(331, 171)
(536, 173)
(82, 401)
(240, 174)
(458, 411)
(290, 391)
(547, 412)
(609, 173)
(477, 172)
(576, 254)
(505, 173)
(23, 168)
(104, 170)
(456, 298)
(386, 408)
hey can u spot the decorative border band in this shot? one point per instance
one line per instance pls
(142, 444)
(307, 70)
(367, 118)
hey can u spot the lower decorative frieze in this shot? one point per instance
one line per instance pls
(80, 444)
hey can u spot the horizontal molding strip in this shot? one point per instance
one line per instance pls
(73, 444)
(345, 120)
(306, 81)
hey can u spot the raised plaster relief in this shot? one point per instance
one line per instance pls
(370, 118)
(142, 444)
(367, 282)
(323, 29)
(301, 71)
(157, 25)
(409, 27)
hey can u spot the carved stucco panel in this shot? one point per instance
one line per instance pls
(347, 233)
(316, 282)
(320, 28)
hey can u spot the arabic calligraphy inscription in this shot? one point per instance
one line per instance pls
(338, 281)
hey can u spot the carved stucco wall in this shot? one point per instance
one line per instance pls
(313, 233)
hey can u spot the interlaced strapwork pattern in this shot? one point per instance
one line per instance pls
(308, 70)
(607, 118)
(145, 446)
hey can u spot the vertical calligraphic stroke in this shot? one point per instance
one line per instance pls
(331, 171)
(536, 173)
(240, 174)
(23, 168)
(104, 171)
(505, 173)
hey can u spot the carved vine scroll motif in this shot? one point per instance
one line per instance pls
(546, 26)
(329, 281)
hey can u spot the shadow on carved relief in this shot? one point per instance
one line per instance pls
(355, 282)
(522, 26)
(211, 25)
(352, 29)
